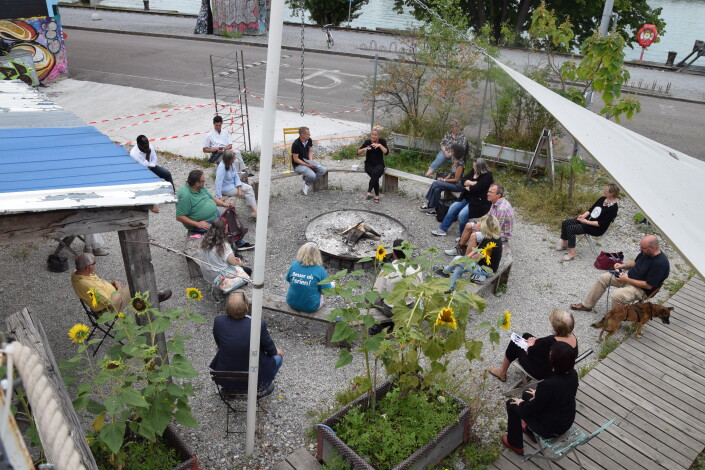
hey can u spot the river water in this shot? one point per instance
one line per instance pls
(684, 20)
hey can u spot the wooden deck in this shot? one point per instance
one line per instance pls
(653, 387)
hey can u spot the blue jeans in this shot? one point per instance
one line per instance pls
(463, 218)
(434, 192)
(277, 365)
(164, 174)
(452, 214)
(459, 269)
(439, 160)
(311, 174)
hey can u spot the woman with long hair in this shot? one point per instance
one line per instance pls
(216, 256)
(374, 148)
(304, 277)
(450, 182)
(228, 183)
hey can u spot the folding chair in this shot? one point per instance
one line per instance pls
(558, 447)
(526, 381)
(232, 388)
(105, 328)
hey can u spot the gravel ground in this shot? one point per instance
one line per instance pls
(308, 380)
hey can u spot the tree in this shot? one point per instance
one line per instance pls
(584, 15)
(328, 11)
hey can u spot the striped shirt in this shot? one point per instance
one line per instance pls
(505, 215)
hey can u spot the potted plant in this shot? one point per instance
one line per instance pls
(133, 392)
(381, 428)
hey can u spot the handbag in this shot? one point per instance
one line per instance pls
(606, 261)
(57, 263)
(231, 278)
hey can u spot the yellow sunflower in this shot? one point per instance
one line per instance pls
(487, 251)
(112, 365)
(381, 253)
(93, 296)
(193, 294)
(507, 320)
(446, 317)
(79, 333)
(139, 304)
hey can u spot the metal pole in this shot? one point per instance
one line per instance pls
(606, 15)
(374, 86)
(215, 96)
(484, 99)
(349, 10)
(265, 176)
(247, 108)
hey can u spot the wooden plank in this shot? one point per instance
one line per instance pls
(694, 302)
(598, 449)
(594, 395)
(671, 369)
(663, 356)
(30, 332)
(681, 442)
(300, 459)
(694, 311)
(676, 344)
(408, 176)
(680, 337)
(283, 465)
(66, 223)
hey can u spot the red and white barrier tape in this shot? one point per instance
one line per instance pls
(182, 135)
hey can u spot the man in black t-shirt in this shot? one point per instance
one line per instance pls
(302, 160)
(646, 274)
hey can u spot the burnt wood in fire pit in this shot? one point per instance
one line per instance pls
(352, 234)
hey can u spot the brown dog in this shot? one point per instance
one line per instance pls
(640, 312)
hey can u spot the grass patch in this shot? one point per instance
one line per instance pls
(480, 455)
(411, 161)
(202, 162)
(585, 370)
(251, 159)
(232, 35)
(607, 347)
(346, 152)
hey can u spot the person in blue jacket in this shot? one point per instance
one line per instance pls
(304, 277)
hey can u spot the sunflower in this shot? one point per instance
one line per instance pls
(93, 296)
(487, 251)
(193, 294)
(79, 333)
(507, 320)
(446, 317)
(139, 304)
(381, 253)
(112, 365)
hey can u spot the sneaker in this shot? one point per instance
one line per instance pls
(87, 249)
(164, 295)
(245, 246)
(451, 252)
(305, 189)
(439, 233)
(438, 270)
(424, 207)
(101, 251)
(433, 212)
(266, 392)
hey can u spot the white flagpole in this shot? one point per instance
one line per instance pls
(265, 175)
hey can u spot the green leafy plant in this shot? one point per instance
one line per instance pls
(133, 388)
(346, 152)
(607, 347)
(638, 217)
(231, 34)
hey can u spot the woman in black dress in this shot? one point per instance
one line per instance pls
(374, 149)
(548, 411)
(593, 221)
(535, 359)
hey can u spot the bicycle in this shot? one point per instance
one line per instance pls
(329, 36)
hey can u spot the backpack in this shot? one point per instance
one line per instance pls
(233, 228)
(57, 263)
(442, 208)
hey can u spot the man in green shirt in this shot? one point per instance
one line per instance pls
(197, 208)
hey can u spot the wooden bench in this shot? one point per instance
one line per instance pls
(277, 303)
(390, 184)
(501, 276)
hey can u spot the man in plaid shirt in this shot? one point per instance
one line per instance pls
(501, 208)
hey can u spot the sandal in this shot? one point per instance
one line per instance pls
(494, 371)
(369, 196)
(568, 258)
(376, 200)
(580, 307)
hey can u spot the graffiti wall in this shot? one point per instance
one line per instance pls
(246, 16)
(43, 38)
(18, 65)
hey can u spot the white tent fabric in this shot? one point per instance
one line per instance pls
(667, 185)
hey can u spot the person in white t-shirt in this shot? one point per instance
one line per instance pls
(144, 154)
(218, 141)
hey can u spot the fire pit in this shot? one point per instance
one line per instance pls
(327, 230)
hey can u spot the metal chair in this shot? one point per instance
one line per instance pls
(105, 328)
(232, 388)
(558, 447)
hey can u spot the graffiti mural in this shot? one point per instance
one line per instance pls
(18, 65)
(246, 16)
(42, 37)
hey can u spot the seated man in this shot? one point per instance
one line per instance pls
(144, 154)
(197, 208)
(501, 209)
(386, 281)
(232, 336)
(108, 295)
(217, 142)
(302, 160)
(646, 274)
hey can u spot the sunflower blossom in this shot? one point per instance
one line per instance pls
(193, 294)
(93, 296)
(447, 317)
(487, 251)
(139, 304)
(507, 320)
(79, 333)
(381, 253)
(112, 365)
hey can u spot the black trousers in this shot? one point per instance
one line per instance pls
(375, 172)
(569, 229)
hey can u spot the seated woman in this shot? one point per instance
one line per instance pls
(594, 221)
(487, 239)
(454, 136)
(228, 183)
(216, 256)
(374, 149)
(304, 276)
(451, 182)
(535, 359)
(548, 411)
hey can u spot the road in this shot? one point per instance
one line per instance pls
(332, 83)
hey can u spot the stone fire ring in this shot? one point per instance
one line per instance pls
(326, 231)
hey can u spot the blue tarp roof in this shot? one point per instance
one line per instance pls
(73, 157)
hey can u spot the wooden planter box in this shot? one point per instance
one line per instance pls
(430, 454)
(402, 141)
(189, 461)
(509, 155)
